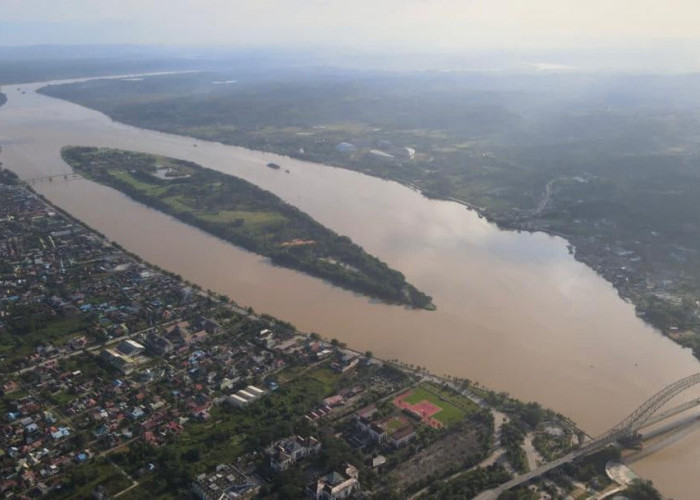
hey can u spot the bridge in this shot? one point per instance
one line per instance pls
(50, 178)
(643, 416)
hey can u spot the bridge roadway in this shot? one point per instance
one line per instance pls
(670, 413)
(50, 178)
(643, 416)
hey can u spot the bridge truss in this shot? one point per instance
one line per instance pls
(641, 415)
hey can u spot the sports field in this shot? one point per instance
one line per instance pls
(430, 408)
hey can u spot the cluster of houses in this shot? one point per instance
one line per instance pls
(38, 446)
(146, 372)
(151, 356)
(340, 399)
(89, 279)
(285, 453)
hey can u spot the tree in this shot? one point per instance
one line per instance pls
(642, 490)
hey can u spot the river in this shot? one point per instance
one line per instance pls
(516, 312)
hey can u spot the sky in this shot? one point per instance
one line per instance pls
(364, 24)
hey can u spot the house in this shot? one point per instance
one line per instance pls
(210, 326)
(336, 400)
(130, 348)
(118, 360)
(286, 452)
(159, 345)
(196, 337)
(137, 412)
(100, 431)
(177, 332)
(10, 387)
(335, 485)
(77, 343)
(59, 433)
(366, 412)
(345, 362)
(267, 338)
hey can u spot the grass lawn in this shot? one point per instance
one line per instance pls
(152, 189)
(61, 398)
(258, 218)
(93, 474)
(395, 424)
(460, 401)
(326, 376)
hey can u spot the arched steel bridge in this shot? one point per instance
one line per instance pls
(641, 417)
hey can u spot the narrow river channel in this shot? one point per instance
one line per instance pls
(516, 312)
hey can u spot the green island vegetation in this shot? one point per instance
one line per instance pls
(238, 211)
(611, 163)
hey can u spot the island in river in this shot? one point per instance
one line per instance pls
(240, 212)
(612, 164)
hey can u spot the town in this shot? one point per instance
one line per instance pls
(121, 380)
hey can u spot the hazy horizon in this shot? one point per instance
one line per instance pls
(630, 34)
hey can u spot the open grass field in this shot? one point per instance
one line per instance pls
(460, 401)
(395, 423)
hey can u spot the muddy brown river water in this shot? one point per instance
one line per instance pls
(516, 311)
